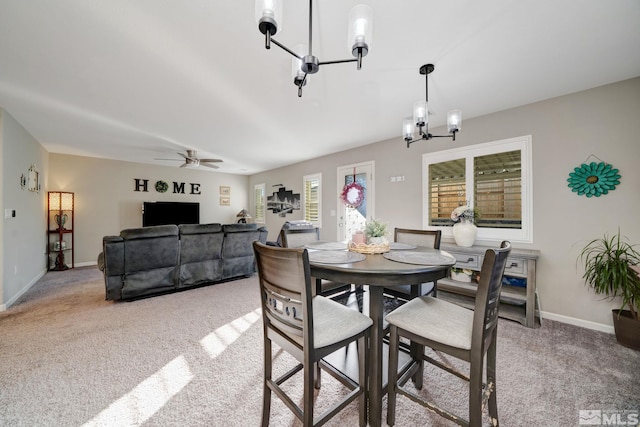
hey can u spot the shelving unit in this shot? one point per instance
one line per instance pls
(516, 303)
(60, 226)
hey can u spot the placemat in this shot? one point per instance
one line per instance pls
(424, 258)
(327, 246)
(399, 246)
(335, 257)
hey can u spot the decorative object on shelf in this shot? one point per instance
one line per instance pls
(243, 215)
(421, 116)
(461, 274)
(60, 212)
(464, 230)
(61, 220)
(34, 179)
(611, 269)
(268, 15)
(23, 181)
(593, 179)
(283, 202)
(353, 193)
(161, 186)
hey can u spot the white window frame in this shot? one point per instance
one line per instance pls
(305, 180)
(262, 189)
(521, 143)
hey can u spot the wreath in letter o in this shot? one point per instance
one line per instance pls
(352, 195)
(161, 186)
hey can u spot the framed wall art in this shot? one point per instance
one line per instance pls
(225, 201)
(225, 190)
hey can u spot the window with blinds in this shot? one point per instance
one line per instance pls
(312, 198)
(493, 178)
(259, 203)
(498, 195)
(446, 190)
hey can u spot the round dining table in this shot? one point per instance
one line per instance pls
(377, 271)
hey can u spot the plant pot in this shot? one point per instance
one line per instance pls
(627, 329)
(382, 240)
(464, 233)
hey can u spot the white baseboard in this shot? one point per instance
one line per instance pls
(9, 303)
(85, 264)
(578, 322)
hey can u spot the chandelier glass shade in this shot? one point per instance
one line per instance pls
(420, 121)
(268, 14)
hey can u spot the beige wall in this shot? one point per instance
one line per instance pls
(565, 131)
(106, 200)
(22, 258)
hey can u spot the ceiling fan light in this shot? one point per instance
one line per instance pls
(268, 15)
(360, 29)
(420, 113)
(454, 120)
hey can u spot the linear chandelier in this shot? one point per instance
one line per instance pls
(421, 117)
(269, 16)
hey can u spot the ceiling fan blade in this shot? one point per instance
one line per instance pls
(210, 160)
(178, 160)
(184, 165)
(208, 165)
(183, 155)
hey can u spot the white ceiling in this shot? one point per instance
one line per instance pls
(139, 80)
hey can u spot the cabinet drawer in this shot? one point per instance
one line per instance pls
(516, 266)
(469, 261)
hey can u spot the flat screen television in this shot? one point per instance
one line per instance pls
(163, 213)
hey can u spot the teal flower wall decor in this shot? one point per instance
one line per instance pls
(593, 179)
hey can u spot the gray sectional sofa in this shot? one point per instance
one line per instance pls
(153, 260)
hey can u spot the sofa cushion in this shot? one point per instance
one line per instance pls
(200, 254)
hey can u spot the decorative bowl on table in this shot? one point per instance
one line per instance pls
(369, 248)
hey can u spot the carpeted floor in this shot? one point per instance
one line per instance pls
(194, 358)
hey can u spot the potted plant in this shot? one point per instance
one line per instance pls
(610, 269)
(376, 232)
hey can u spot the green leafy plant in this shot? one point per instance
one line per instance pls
(375, 228)
(607, 262)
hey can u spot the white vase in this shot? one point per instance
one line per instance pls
(382, 240)
(464, 233)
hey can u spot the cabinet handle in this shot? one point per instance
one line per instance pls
(467, 261)
(513, 264)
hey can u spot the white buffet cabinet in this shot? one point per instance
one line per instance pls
(516, 302)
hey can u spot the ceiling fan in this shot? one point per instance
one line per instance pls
(191, 160)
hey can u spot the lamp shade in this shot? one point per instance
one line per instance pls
(60, 201)
(420, 113)
(269, 14)
(296, 64)
(407, 129)
(360, 27)
(454, 120)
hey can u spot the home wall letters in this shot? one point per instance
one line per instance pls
(142, 185)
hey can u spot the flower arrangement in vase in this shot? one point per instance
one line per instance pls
(464, 229)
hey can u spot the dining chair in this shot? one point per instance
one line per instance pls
(451, 329)
(309, 327)
(427, 238)
(298, 238)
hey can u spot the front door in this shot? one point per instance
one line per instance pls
(353, 218)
